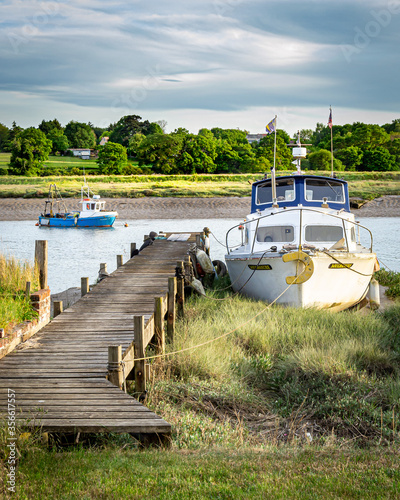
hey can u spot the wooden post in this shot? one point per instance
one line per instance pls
(139, 348)
(28, 289)
(115, 375)
(41, 259)
(180, 289)
(119, 261)
(133, 248)
(159, 331)
(57, 307)
(146, 237)
(171, 308)
(198, 240)
(103, 268)
(84, 286)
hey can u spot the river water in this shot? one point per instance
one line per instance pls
(76, 253)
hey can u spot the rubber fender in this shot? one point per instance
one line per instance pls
(196, 285)
(204, 260)
(306, 260)
(220, 267)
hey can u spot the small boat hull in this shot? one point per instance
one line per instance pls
(76, 221)
(331, 285)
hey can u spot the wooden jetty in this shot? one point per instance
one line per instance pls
(68, 378)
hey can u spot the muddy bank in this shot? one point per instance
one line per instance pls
(179, 208)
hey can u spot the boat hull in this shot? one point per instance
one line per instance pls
(71, 221)
(331, 285)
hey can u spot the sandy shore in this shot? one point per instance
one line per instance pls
(14, 209)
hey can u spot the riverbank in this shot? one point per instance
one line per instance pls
(14, 209)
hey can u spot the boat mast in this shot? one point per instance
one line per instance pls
(330, 126)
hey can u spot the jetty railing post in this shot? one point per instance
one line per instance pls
(139, 352)
(28, 289)
(84, 286)
(180, 289)
(57, 307)
(41, 259)
(133, 248)
(119, 260)
(171, 308)
(115, 375)
(103, 268)
(159, 330)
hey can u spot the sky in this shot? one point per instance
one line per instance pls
(219, 63)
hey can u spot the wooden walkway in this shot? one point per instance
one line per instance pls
(58, 378)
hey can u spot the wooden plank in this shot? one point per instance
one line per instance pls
(69, 385)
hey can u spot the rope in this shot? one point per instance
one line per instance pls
(345, 265)
(241, 288)
(164, 355)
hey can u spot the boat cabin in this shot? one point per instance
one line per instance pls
(92, 204)
(306, 190)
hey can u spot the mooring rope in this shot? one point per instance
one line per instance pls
(164, 355)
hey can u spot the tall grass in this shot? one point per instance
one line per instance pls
(302, 369)
(15, 307)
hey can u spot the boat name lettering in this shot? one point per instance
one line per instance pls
(262, 267)
(340, 266)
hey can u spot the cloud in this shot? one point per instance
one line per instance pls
(105, 58)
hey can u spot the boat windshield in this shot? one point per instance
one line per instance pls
(280, 234)
(284, 191)
(318, 189)
(319, 233)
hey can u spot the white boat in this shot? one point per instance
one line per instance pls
(301, 244)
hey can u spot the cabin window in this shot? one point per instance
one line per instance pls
(284, 191)
(318, 189)
(93, 205)
(324, 233)
(275, 234)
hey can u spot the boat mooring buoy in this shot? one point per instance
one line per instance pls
(126, 224)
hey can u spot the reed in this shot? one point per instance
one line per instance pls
(338, 372)
(15, 307)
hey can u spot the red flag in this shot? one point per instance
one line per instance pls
(330, 119)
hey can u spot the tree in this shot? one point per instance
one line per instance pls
(133, 145)
(197, 155)
(130, 125)
(112, 158)
(4, 136)
(322, 160)
(48, 126)
(29, 150)
(265, 148)
(378, 159)
(351, 157)
(59, 140)
(161, 151)
(80, 135)
(232, 135)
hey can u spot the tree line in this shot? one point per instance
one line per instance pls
(356, 147)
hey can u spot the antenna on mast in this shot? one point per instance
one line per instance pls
(299, 152)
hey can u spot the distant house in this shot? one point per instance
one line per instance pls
(82, 153)
(103, 141)
(255, 137)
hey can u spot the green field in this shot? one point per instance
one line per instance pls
(366, 185)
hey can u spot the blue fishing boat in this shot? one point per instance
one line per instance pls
(92, 212)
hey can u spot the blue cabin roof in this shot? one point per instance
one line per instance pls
(306, 190)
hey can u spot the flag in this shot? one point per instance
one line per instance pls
(330, 119)
(270, 128)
